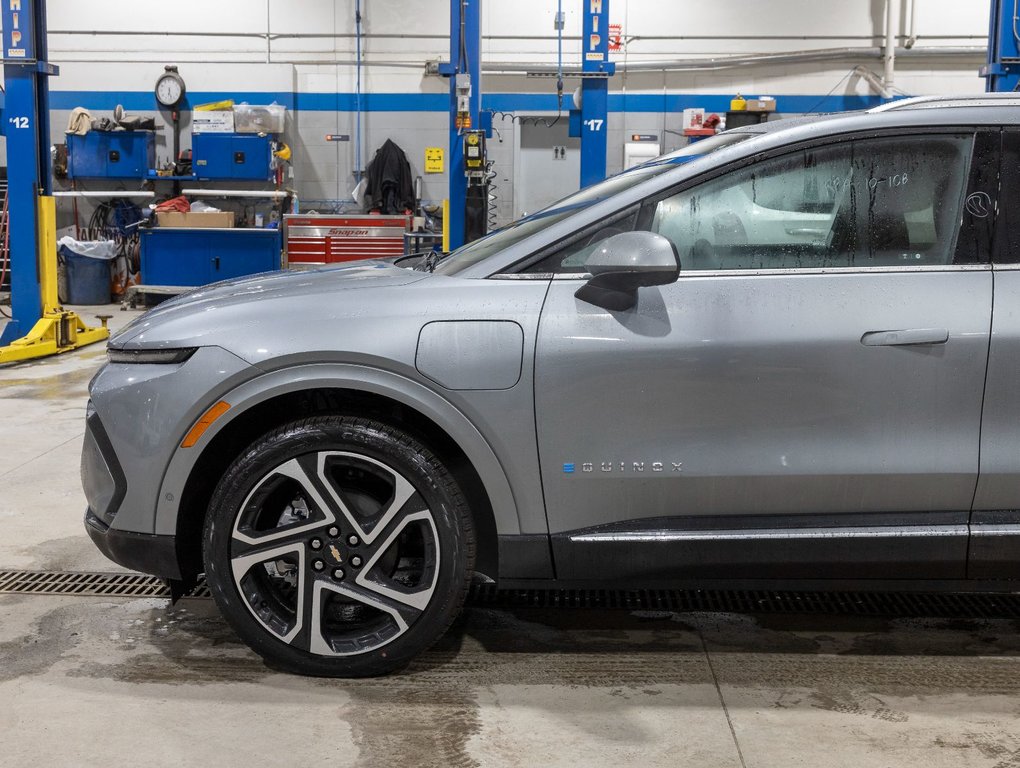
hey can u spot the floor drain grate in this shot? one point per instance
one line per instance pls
(908, 605)
(87, 584)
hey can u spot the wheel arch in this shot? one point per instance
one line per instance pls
(270, 400)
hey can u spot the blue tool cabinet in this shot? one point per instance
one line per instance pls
(231, 156)
(111, 154)
(198, 256)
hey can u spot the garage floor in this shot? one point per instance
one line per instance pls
(113, 681)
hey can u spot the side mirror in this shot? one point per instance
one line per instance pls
(625, 262)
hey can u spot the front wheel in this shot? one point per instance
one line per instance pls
(338, 546)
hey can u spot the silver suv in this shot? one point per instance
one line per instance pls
(771, 357)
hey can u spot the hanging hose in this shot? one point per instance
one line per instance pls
(490, 209)
(513, 118)
(357, 94)
(559, 56)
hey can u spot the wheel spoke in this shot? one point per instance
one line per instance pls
(241, 566)
(293, 470)
(401, 615)
(402, 492)
(419, 597)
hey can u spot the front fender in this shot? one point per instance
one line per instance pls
(356, 377)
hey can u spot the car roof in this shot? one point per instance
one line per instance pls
(967, 100)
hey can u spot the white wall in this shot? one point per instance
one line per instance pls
(221, 48)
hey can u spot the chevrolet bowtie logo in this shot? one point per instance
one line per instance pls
(335, 552)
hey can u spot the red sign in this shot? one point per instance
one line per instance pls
(615, 37)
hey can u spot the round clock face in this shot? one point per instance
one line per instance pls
(169, 90)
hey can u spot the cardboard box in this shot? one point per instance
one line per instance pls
(205, 219)
(761, 105)
(212, 121)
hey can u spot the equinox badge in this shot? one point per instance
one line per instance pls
(570, 468)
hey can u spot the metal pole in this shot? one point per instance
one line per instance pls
(1002, 73)
(465, 15)
(890, 43)
(594, 91)
(27, 130)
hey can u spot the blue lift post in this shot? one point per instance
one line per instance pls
(25, 72)
(39, 325)
(470, 26)
(1002, 72)
(594, 90)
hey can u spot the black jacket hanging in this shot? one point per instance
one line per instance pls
(390, 189)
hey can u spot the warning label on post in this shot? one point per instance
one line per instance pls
(433, 159)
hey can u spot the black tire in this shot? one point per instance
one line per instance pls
(313, 494)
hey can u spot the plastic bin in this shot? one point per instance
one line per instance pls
(88, 270)
(254, 118)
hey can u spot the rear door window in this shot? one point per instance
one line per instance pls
(877, 202)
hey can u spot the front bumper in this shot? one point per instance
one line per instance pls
(145, 552)
(137, 416)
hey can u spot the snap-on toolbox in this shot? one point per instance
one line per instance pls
(313, 239)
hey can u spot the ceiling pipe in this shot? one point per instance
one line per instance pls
(757, 59)
(912, 37)
(889, 49)
(425, 36)
(517, 68)
(874, 81)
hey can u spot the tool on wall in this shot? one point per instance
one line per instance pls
(39, 326)
(170, 90)
(476, 217)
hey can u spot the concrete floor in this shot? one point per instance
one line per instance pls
(111, 682)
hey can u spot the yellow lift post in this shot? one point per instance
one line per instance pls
(58, 330)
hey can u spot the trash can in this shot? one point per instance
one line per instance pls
(87, 264)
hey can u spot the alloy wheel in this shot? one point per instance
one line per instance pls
(335, 553)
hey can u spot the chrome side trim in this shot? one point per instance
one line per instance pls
(702, 273)
(837, 270)
(996, 529)
(878, 532)
(522, 276)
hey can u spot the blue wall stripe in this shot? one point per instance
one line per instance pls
(439, 102)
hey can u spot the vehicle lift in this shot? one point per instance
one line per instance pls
(470, 126)
(590, 122)
(40, 326)
(468, 195)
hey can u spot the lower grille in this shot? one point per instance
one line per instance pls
(909, 605)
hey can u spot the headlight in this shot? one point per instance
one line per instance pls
(150, 356)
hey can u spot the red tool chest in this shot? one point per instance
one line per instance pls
(330, 239)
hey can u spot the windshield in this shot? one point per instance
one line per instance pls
(512, 233)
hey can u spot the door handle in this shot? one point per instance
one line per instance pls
(806, 231)
(904, 338)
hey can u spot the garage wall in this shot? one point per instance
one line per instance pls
(301, 54)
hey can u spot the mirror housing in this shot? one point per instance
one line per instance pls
(625, 262)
